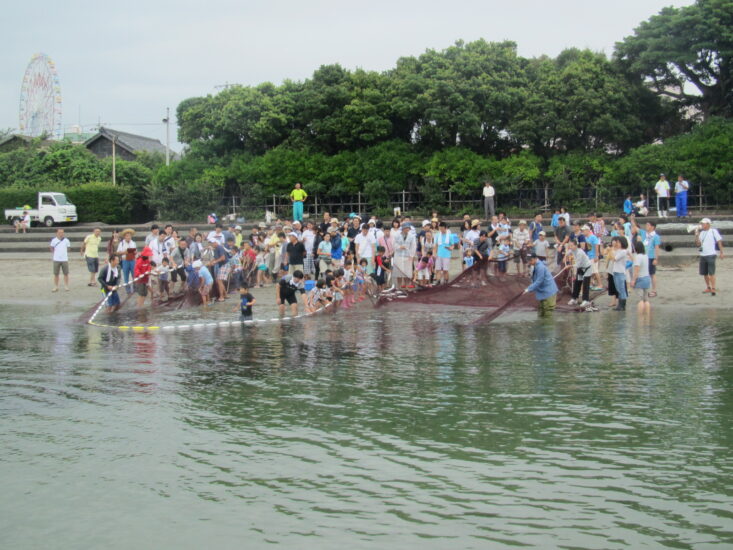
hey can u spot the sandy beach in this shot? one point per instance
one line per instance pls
(30, 282)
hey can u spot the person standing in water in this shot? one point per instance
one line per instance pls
(543, 285)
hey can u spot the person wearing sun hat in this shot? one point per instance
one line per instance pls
(126, 250)
(710, 243)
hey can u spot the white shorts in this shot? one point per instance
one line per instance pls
(594, 267)
(442, 264)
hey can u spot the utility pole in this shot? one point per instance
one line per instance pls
(114, 161)
(167, 121)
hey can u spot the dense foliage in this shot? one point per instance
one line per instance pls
(564, 129)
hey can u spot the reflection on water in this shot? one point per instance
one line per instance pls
(391, 428)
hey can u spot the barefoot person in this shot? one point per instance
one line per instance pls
(286, 291)
(60, 248)
(543, 285)
(710, 242)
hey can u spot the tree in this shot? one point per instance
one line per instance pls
(688, 45)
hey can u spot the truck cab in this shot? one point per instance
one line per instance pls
(55, 208)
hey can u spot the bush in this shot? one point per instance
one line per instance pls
(101, 202)
(17, 197)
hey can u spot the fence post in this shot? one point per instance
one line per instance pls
(358, 202)
(316, 205)
(403, 202)
(274, 208)
(450, 201)
(701, 198)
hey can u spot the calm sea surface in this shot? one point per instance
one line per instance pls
(379, 429)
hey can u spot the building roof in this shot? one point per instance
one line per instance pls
(131, 142)
(26, 140)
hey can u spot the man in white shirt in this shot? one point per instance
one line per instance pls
(365, 246)
(217, 235)
(681, 187)
(489, 206)
(662, 189)
(60, 249)
(710, 242)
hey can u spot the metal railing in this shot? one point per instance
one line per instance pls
(413, 201)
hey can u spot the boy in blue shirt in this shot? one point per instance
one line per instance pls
(246, 301)
(592, 250)
(652, 243)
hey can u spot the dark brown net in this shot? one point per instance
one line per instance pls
(483, 286)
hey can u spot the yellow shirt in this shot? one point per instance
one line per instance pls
(238, 239)
(91, 246)
(298, 195)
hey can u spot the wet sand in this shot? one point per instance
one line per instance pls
(31, 281)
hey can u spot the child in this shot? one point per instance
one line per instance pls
(381, 269)
(246, 301)
(318, 297)
(501, 253)
(641, 280)
(583, 272)
(468, 258)
(424, 269)
(360, 279)
(261, 267)
(541, 245)
(207, 280)
(628, 206)
(163, 279)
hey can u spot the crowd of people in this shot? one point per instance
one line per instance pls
(335, 262)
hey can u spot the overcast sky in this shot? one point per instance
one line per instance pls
(123, 63)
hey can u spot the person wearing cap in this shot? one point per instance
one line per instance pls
(206, 278)
(543, 285)
(238, 237)
(541, 246)
(470, 237)
(126, 250)
(681, 187)
(298, 196)
(142, 275)
(488, 193)
(662, 190)
(309, 242)
(710, 243)
(520, 241)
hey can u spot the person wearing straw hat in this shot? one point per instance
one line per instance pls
(126, 251)
(710, 242)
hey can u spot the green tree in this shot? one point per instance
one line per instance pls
(687, 45)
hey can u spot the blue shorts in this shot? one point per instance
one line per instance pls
(113, 299)
(643, 282)
(652, 267)
(92, 264)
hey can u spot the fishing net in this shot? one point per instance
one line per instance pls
(482, 287)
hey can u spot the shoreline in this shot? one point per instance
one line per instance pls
(29, 282)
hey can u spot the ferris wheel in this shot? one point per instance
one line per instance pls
(40, 99)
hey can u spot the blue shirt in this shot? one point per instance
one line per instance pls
(650, 244)
(543, 283)
(535, 228)
(628, 206)
(592, 241)
(444, 242)
(555, 218)
(205, 274)
(336, 251)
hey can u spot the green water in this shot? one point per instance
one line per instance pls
(369, 430)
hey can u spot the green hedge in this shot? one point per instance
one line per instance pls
(95, 202)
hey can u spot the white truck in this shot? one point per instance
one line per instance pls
(52, 208)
